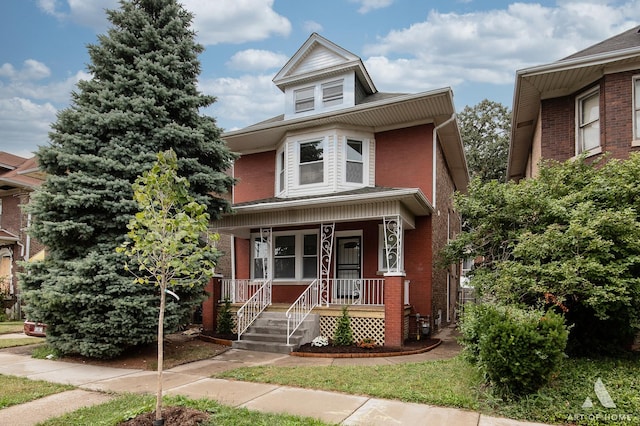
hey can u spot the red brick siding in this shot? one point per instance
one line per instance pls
(404, 157)
(558, 128)
(256, 177)
(418, 265)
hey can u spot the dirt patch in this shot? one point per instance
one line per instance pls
(409, 345)
(172, 416)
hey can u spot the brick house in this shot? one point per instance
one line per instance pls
(345, 199)
(18, 178)
(588, 103)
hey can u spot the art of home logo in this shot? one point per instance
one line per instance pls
(604, 398)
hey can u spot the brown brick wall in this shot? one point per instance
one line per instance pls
(616, 119)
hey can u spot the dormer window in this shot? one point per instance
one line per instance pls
(304, 99)
(311, 162)
(332, 93)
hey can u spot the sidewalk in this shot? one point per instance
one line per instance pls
(192, 380)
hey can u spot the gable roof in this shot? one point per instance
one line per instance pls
(24, 173)
(318, 58)
(562, 78)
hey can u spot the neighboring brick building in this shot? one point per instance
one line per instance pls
(18, 178)
(588, 102)
(347, 198)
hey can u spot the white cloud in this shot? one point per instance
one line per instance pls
(31, 70)
(236, 21)
(450, 48)
(245, 100)
(256, 60)
(55, 91)
(87, 13)
(369, 5)
(312, 26)
(24, 124)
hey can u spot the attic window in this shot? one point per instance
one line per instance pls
(304, 99)
(332, 93)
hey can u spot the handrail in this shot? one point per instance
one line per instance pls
(253, 307)
(302, 307)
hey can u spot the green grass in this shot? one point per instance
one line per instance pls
(456, 383)
(128, 406)
(11, 327)
(9, 343)
(18, 390)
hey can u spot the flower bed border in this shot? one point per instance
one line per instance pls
(366, 355)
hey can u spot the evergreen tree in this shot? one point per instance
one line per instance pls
(141, 100)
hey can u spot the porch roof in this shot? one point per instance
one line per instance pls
(357, 205)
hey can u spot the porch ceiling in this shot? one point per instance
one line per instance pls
(406, 203)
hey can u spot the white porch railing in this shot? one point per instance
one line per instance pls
(363, 291)
(239, 291)
(253, 307)
(302, 307)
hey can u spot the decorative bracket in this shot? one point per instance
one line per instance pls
(393, 242)
(326, 249)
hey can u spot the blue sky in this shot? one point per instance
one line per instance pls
(472, 46)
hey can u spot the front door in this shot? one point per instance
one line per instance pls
(348, 267)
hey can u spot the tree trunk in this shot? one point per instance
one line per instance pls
(163, 286)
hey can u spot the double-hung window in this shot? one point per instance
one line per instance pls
(588, 130)
(355, 161)
(311, 162)
(636, 109)
(304, 99)
(294, 257)
(310, 256)
(284, 256)
(332, 93)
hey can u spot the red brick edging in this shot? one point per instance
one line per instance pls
(215, 340)
(365, 355)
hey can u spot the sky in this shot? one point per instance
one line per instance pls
(411, 46)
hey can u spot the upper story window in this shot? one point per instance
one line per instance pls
(355, 161)
(636, 110)
(332, 93)
(281, 171)
(304, 99)
(311, 163)
(588, 122)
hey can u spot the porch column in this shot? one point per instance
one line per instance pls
(210, 306)
(394, 308)
(326, 248)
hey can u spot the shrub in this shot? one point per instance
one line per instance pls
(470, 330)
(519, 350)
(225, 319)
(343, 335)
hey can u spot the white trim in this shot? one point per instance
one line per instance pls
(635, 110)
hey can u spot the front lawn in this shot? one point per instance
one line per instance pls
(455, 383)
(11, 327)
(18, 390)
(21, 341)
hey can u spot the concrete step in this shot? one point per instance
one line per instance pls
(272, 347)
(276, 338)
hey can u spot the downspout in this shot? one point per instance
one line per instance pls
(434, 140)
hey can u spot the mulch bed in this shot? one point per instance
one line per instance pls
(172, 416)
(409, 347)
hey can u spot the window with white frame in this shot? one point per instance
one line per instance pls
(311, 160)
(588, 131)
(304, 99)
(332, 93)
(636, 108)
(355, 161)
(281, 171)
(295, 256)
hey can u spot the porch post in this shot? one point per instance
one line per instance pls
(393, 243)
(326, 248)
(210, 306)
(394, 308)
(267, 263)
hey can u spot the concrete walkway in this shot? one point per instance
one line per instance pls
(192, 380)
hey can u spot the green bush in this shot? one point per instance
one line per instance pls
(343, 335)
(470, 330)
(518, 350)
(225, 319)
